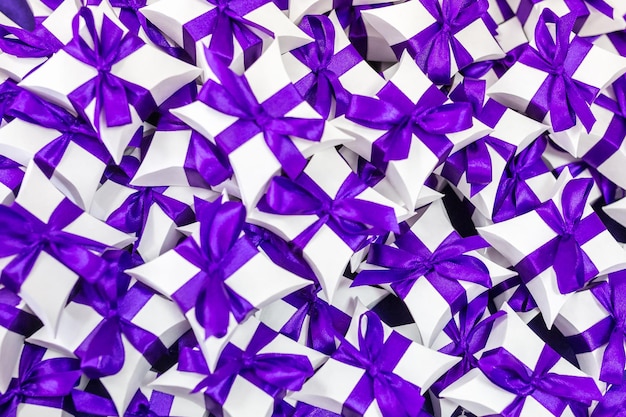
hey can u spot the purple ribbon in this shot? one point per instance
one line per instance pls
(41, 382)
(395, 396)
(551, 390)
(608, 189)
(610, 331)
(321, 86)
(33, 110)
(113, 94)
(11, 174)
(35, 43)
(274, 373)
(234, 97)
(219, 255)
(514, 196)
(572, 266)
(561, 95)
(351, 20)
(15, 319)
(18, 11)
(602, 6)
(87, 404)
(613, 403)
(351, 218)
(226, 22)
(443, 268)
(102, 351)
(25, 236)
(431, 47)
(8, 91)
(429, 119)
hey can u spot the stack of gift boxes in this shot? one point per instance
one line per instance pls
(257, 208)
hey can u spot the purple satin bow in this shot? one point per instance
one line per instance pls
(41, 382)
(8, 91)
(349, 217)
(220, 253)
(561, 95)
(572, 266)
(443, 268)
(551, 390)
(15, 319)
(395, 396)
(321, 87)
(113, 94)
(35, 43)
(25, 236)
(431, 47)
(234, 97)
(613, 403)
(429, 119)
(18, 11)
(274, 373)
(514, 196)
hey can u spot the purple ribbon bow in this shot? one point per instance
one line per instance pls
(395, 396)
(15, 319)
(35, 43)
(18, 11)
(610, 331)
(613, 403)
(351, 218)
(572, 266)
(113, 94)
(219, 255)
(40, 382)
(443, 268)
(429, 119)
(321, 86)
(102, 351)
(551, 390)
(431, 47)
(272, 372)
(561, 95)
(234, 97)
(25, 236)
(8, 91)
(225, 23)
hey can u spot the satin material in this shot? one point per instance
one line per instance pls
(608, 189)
(18, 11)
(41, 382)
(613, 404)
(572, 266)
(16, 319)
(234, 97)
(219, 254)
(565, 98)
(8, 91)
(378, 357)
(429, 120)
(11, 174)
(113, 95)
(552, 390)
(86, 404)
(37, 42)
(431, 47)
(350, 217)
(411, 260)
(321, 88)
(25, 236)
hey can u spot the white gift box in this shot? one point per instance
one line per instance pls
(158, 316)
(408, 175)
(174, 17)
(253, 162)
(46, 297)
(180, 405)
(521, 236)
(429, 308)
(159, 233)
(327, 253)
(333, 383)
(259, 282)
(476, 393)
(62, 74)
(399, 23)
(244, 397)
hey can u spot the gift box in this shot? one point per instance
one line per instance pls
(106, 85)
(442, 39)
(262, 124)
(221, 277)
(444, 272)
(46, 236)
(561, 79)
(329, 70)
(411, 111)
(255, 371)
(327, 212)
(373, 372)
(237, 31)
(559, 247)
(519, 375)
